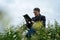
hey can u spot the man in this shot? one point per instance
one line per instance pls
(38, 16)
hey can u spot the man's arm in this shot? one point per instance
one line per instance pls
(44, 20)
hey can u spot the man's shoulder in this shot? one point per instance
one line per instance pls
(40, 16)
(43, 16)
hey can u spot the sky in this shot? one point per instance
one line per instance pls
(18, 8)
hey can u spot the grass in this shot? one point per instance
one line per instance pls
(52, 32)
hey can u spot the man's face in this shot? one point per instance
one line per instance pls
(36, 13)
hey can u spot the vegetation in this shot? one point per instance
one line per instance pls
(52, 32)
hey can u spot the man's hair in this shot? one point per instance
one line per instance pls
(37, 9)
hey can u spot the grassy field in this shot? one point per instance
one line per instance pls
(52, 32)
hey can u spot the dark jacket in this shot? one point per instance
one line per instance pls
(40, 18)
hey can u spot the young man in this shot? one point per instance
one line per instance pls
(38, 16)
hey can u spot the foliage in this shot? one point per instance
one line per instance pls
(50, 33)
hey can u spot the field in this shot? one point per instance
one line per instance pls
(52, 32)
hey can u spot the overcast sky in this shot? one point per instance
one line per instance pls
(17, 8)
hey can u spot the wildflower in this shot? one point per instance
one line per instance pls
(49, 34)
(14, 36)
(57, 35)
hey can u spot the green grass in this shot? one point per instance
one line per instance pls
(50, 33)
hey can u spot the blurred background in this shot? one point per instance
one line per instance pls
(12, 23)
(15, 9)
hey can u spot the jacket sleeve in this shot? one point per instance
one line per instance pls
(43, 20)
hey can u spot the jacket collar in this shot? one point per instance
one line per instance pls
(38, 16)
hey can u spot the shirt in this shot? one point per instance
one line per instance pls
(40, 18)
